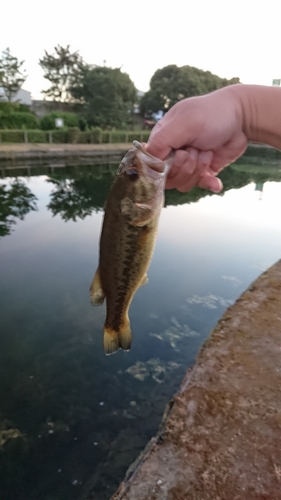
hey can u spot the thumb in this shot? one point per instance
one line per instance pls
(158, 144)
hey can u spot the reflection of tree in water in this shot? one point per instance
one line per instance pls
(78, 191)
(233, 177)
(78, 197)
(16, 200)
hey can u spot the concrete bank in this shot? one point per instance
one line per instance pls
(221, 435)
(42, 153)
(10, 153)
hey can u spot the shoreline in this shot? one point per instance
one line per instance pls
(220, 434)
(13, 153)
(42, 153)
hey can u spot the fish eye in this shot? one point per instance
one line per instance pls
(133, 174)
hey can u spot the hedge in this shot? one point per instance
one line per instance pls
(17, 120)
(72, 136)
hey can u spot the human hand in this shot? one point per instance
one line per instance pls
(206, 133)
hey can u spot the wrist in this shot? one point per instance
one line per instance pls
(260, 110)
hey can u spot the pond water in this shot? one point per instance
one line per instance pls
(72, 420)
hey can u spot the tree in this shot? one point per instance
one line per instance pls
(108, 96)
(12, 76)
(171, 84)
(64, 70)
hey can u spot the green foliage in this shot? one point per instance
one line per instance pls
(73, 135)
(172, 83)
(16, 116)
(18, 136)
(15, 202)
(93, 136)
(107, 95)
(60, 136)
(139, 136)
(18, 120)
(14, 136)
(12, 77)
(12, 107)
(37, 136)
(48, 122)
(64, 70)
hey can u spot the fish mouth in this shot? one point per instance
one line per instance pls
(151, 161)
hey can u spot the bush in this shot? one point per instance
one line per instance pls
(96, 135)
(48, 122)
(60, 136)
(37, 136)
(105, 137)
(93, 136)
(13, 107)
(118, 136)
(139, 136)
(73, 134)
(21, 135)
(17, 120)
(85, 138)
(12, 136)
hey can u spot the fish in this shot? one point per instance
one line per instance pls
(127, 240)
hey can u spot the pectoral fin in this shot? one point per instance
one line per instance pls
(96, 292)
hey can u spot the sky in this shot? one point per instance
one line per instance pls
(231, 39)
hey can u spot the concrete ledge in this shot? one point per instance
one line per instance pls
(15, 152)
(221, 434)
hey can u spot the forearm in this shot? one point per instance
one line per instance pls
(260, 112)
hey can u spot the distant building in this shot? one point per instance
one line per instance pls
(22, 96)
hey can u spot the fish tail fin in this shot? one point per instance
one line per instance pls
(125, 336)
(114, 340)
(110, 341)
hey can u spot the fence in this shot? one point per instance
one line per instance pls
(72, 136)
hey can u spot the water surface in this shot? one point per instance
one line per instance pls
(72, 419)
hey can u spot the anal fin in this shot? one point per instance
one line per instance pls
(144, 280)
(96, 292)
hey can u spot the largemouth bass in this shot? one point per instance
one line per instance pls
(127, 240)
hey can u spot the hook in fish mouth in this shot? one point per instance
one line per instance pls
(169, 158)
(151, 161)
(138, 145)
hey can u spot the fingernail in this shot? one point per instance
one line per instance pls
(217, 185)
